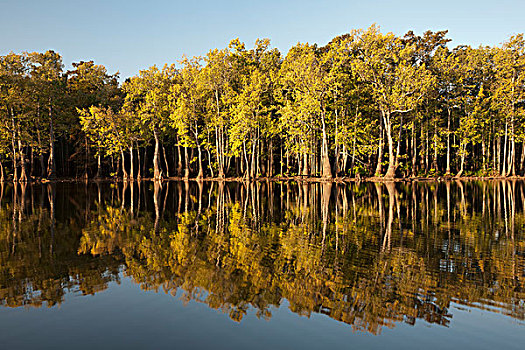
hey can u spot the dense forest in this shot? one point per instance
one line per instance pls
(367, 104)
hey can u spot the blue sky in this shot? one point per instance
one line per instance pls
(129, 35)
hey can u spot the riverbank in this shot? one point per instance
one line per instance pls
(302, 179)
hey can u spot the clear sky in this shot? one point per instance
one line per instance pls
(128, 35)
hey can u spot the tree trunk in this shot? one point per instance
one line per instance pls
(31, 162)
(186, 164)
(327, 170)
(124, 172)
(253, 173)
(23, 173)
(259, 166)
(512, 154)
(99, 165)
(498, 145)
(209, 161)
(522, 160)
(414, 150)
(305, 164)
(380, 149)
(131, 165)
(391, 171)
(166, 161)
(157, 171)
(220, 154)
(41, 154)
(13, 147)
(494, 153)
(282, 160)
(427, 147)
(345, 160)
(179, 161)
(270, 159)
(447, 171)
(200, 174)
(245, 161)
(337, 166)
(219, 137)
(398, 149)
(435, 160)
(504, 169)
(51, 166)
(483, 155)
(86, 175)
(139, 172)
(462, 166)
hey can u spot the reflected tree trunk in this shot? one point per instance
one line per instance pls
(51, 194)
(157, 191)
(326, 190)
(392, 193)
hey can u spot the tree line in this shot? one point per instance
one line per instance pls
(367, 104)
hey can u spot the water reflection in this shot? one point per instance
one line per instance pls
(370, 254)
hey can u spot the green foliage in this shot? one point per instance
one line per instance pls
(364, 102)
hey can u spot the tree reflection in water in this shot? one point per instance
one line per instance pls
(367, 254)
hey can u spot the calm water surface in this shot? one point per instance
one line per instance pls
(265, 265)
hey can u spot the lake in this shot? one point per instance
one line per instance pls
(229, 265)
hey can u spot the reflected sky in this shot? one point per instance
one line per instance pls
(125, 315)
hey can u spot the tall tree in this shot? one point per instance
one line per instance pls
(398, 85)
(510, 94)
(47, 72)
(147, 97)
(187, 108)
(304, 111)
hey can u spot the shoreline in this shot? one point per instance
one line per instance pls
(299, 179)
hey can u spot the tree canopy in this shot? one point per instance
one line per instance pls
(366, 104)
